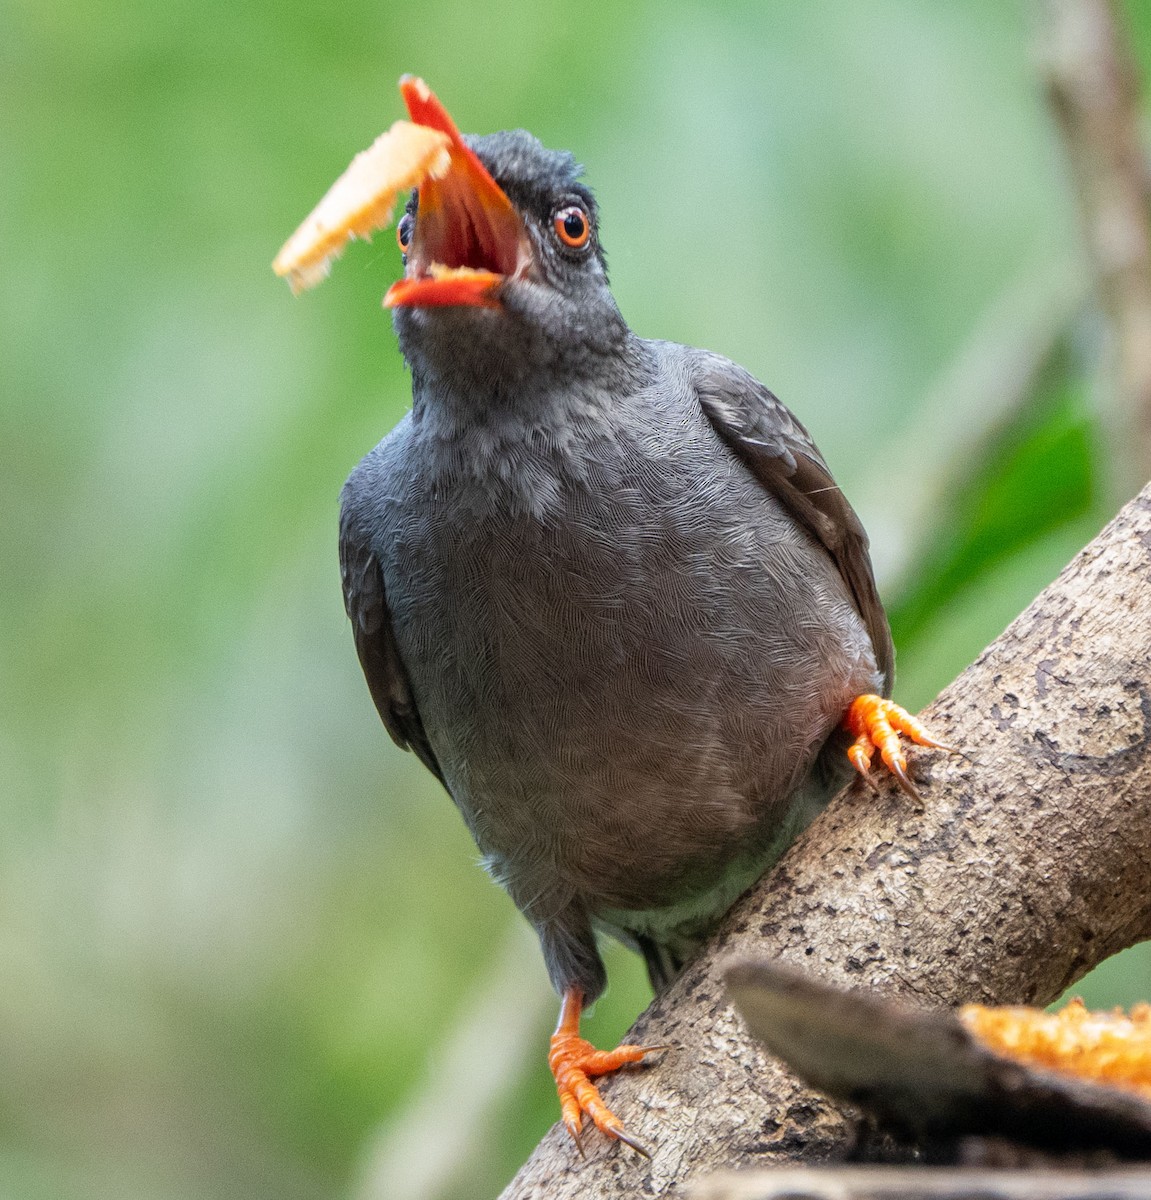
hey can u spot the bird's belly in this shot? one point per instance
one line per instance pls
(623, 702)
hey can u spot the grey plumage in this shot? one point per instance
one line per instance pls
(608, 592)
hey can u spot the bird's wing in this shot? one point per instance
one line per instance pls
(780, 454)
(367, 606)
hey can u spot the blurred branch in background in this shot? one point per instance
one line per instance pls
(980, 395)
(1008, 456)
(1093, 86)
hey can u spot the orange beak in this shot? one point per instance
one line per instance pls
(469, 238)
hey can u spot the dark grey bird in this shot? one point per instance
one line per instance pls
(604, 587)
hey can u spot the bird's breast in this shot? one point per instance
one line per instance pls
(621, 648)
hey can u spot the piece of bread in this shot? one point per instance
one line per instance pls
(362, 199)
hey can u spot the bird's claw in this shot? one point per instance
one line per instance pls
(876, 724)
(633, 1142)
(899, 770)
(576, 1135)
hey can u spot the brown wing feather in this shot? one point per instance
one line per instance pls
(779, 452)
(367, 607)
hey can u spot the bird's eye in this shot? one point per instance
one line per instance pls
(572, 226)
(404, 231)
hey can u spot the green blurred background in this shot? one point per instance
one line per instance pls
(244, 943)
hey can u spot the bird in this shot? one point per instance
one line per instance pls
(604, 587)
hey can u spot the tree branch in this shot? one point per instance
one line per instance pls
(1028, 866)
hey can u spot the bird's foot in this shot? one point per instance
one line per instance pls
(876, 725)
(574, 1062)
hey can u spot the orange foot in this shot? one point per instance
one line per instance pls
(877, 724)
(574, 1062)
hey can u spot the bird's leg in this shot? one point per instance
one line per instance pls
(876, 724)
(574, 1062)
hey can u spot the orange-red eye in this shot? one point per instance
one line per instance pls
(572, 227)
(404, 231)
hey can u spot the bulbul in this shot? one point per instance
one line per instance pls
(605, 588)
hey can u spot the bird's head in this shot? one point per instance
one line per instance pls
(504, 273)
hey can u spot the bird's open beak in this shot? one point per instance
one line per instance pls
(468, 238)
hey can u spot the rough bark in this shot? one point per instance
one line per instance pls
(1028, 864)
